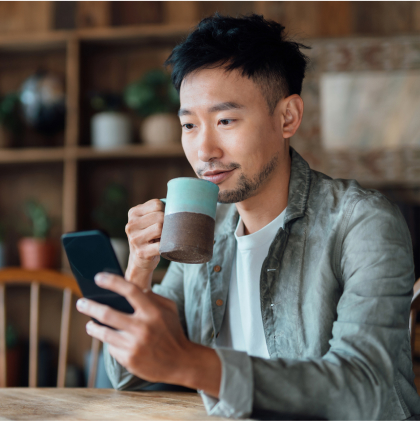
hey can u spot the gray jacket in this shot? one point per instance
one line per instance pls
(335, 287)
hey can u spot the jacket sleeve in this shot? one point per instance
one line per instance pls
(172, 287)
(352, 380)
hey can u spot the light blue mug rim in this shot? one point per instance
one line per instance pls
(201, 208)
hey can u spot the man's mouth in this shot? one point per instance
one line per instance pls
(217, 176)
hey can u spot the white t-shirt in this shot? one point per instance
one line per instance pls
(242, 327)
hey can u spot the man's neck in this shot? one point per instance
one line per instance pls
(259, 210)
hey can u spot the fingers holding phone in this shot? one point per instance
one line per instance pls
(144, 229)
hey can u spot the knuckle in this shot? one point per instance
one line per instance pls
(105, 313)
(128, 228)
(131, 211)
(105, 336)
(157, 227)
(156, 205)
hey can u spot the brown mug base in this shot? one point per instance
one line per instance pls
(187, 238)
(187, 254)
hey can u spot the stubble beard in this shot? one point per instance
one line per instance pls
(248, 187)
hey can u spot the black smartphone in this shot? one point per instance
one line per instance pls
(91, 252)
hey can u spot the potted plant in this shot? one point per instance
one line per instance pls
(109, 127)
(37, 251)
(155, 98)
(10, 123)
(112, 216)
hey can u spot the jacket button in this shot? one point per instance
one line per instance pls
(217, 268)
(219, 302)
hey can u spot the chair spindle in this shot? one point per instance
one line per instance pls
(93, 362)
(64, 338)
(3, 372)
(33, 335)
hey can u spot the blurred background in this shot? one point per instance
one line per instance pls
(88, 124)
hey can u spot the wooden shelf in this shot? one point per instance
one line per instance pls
(28, 155)
(53, 39)
(129, 151)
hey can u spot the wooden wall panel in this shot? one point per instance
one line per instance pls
(181, 12)
(93, 14)
(26, 16)
(140, 12)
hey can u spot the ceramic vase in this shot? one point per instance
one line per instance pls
(110, 130)
(161, 129)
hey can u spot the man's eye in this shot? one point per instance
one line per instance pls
(226, 121)
(188, 126)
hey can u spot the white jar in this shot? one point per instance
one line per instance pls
(110, 130)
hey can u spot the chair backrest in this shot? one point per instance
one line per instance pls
(36, 279)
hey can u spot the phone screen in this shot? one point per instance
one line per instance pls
(91, 252)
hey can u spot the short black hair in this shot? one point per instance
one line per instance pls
(258, 48)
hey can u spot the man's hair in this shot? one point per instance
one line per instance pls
(258, 48)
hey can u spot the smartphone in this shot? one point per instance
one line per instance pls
(91, 252)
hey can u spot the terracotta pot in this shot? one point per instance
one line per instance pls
(37, 253)
(161, 129)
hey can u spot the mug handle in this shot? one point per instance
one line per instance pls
(163, 200)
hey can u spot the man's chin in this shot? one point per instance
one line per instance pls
(230, 196)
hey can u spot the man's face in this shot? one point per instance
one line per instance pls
(228, 134)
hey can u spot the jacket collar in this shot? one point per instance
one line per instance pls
(299, 184)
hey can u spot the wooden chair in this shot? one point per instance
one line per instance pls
(36, 279)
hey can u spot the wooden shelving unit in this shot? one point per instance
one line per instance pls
(67, 175)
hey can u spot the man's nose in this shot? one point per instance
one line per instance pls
(209, 146)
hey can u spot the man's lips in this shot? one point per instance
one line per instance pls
(217, 177)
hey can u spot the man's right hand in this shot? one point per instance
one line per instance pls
(144, 229)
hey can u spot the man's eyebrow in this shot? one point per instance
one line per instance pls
(184, 111)
(223, 106)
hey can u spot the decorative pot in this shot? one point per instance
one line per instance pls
(161, 129)
(5, 138)
(110, 130)
(122, 251)
(36, 253)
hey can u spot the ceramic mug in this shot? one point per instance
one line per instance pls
(188, 226)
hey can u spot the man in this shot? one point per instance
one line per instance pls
(303, 309)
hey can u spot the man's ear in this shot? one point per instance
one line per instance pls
(292, 111)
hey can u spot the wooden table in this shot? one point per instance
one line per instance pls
(98, 404)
